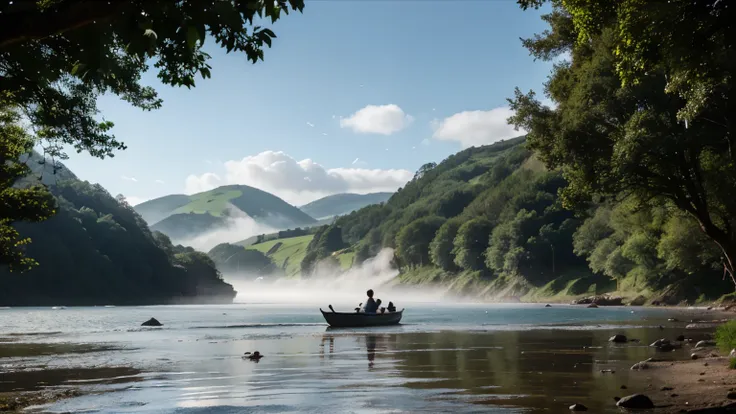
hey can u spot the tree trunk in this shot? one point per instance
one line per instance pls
(728, 247)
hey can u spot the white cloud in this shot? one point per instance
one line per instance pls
(324, 133)
(355, 161)
(159, 182)
(298, 182)
(472, 128)
(126, 178)
(377, 119)
(309, 124)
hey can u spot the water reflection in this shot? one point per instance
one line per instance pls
(370, 345)
(539, 370)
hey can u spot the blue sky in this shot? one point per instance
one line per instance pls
(355, 95)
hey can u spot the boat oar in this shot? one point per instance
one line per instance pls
(331, 308)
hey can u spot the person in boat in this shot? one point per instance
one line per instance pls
(391, 307)
(370, 305)
(378, 306)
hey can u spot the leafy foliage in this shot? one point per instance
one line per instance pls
(58, 56)
(642, 113)
(726, 336)
(29, 203)
(412, 242)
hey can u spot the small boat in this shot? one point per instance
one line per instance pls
(355, 319)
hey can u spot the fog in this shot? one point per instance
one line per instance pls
(344, 290)
(237, 227)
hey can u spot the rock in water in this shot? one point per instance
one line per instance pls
(152, 322)
(635, 401)
(548, 306)
(618, 338)
(578, 407)
(592, 305)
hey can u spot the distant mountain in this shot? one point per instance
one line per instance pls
(181, 216)
(340, 204)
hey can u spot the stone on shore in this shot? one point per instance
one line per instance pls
(638, 401)
(578, 407)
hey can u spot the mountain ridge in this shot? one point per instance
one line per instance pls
(342, 203)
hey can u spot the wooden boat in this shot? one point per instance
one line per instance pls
(355, 319)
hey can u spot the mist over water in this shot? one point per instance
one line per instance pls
(343, 289)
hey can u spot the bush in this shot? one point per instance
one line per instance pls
(732, 363)
(726, 336)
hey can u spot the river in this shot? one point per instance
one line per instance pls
(460, 358)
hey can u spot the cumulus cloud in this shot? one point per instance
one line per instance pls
(126, 178)
(377, 119)
(473, 128)
(298, 182)
(309, 124)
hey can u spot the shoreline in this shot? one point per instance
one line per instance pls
(17, 401)
(701, 385)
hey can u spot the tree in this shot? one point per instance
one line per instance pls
(471, 242)
(636, 121)
(58, 56)
(29, 203)
(440, 250)
(412, 242)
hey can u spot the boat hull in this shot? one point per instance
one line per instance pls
(356, 320)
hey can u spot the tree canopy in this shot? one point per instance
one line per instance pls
(644, 110)
(58, 56)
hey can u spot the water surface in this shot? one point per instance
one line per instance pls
(459, 358)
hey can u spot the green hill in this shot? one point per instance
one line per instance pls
(488, 222)
(96, 250)
(181, 216)
(339, 204)
(287, 254)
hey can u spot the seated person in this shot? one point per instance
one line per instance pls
(370, 305)
(391, 307)
(378, 306)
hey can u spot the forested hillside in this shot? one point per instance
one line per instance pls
(96, 250)
(488, 222)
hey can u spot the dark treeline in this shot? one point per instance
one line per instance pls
(96, 250)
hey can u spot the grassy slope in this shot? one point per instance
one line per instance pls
(211, 202)
(291, 252)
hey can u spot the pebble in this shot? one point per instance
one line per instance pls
(578, 407)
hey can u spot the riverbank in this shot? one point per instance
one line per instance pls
(691, 385)
(568, 288)
(17, 401)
